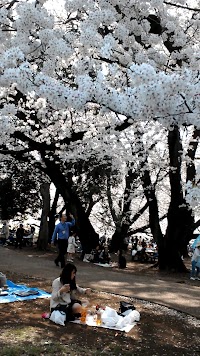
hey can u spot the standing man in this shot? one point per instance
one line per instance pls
(61, 233)
(19, 236)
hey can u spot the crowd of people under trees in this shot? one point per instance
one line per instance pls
(66, 239)
(18, 237)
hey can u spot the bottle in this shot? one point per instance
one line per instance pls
(98, 320)
(98, 315)
(83, 315)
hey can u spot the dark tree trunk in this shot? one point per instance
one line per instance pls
(149, 191)
(179, 216)
(123, 222)
(88, 237)
(52, 214)
(154, 222)
(117, 238)
(193, 145)
(86, 232)
(43, 233)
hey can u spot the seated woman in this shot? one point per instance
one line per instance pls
(95, 254)
(104, 256)
(64, 288)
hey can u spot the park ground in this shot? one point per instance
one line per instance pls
(168, 304)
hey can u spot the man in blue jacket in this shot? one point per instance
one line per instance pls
(61, 233)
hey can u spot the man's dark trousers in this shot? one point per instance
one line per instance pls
(62, 248)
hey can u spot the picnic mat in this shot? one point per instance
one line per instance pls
(105, 264)
(90, 322)
(20, 292)
(110, 319)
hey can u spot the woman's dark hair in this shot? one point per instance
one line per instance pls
(65, 276)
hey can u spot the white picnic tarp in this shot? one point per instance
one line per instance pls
(111, 320)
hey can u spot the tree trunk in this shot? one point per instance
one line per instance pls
(116, 242)
(52, 214)
(86, 232)
(88, 237)
(154, 222)
(149, 192)
(123, 221)
(43, 233)
(179, 217)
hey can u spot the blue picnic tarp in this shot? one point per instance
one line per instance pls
(14, 289)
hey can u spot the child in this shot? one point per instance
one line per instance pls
(71, 247)
(195, 257)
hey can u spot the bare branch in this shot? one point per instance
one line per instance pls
(181, 6)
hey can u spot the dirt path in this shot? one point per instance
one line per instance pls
(174, 291)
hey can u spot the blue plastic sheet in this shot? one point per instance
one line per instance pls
(13, 289)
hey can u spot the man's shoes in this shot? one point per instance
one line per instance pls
(198, 279)
(192, 278)
(56, 263)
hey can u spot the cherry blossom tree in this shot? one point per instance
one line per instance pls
(74, 75)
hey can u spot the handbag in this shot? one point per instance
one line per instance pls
(124, 306)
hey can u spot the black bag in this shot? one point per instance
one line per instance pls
(125, 306)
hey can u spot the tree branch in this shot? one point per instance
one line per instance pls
(181, 6)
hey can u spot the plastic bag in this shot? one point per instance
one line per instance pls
(109, 321)
(131, 317)
(109, 317)
(58, 317)
(110, 312)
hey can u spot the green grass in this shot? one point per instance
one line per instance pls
(32, 350)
